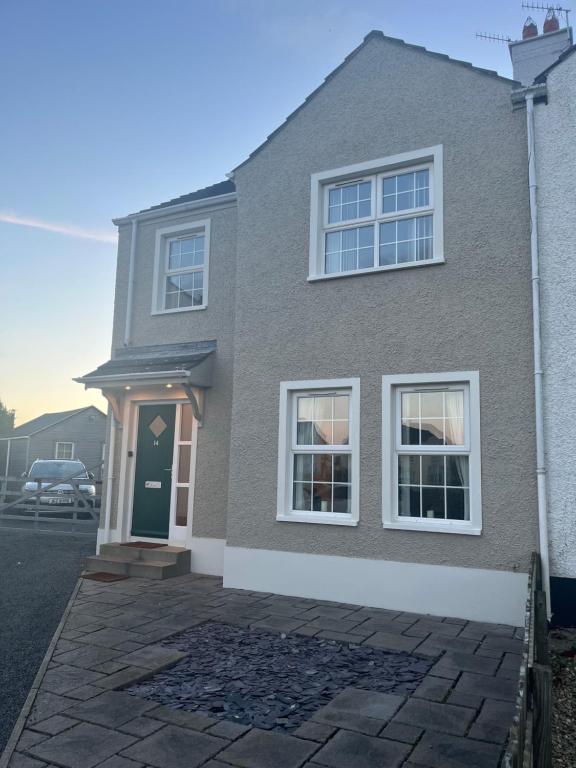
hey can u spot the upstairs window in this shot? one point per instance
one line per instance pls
(181, 268)
(377, 216)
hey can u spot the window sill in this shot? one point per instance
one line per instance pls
(390, 268)
(326, 519)
(430, 527)
(178, 309)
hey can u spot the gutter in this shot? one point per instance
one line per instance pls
(529, 94)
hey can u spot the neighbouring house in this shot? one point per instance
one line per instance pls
(78, 434)
(554, 113)
(322, 380)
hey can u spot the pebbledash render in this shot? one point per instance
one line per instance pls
(322, 377)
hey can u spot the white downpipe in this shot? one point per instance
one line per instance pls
(109, 479)
(538, 372)
(128, 323)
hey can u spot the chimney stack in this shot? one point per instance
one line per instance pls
(535, 53)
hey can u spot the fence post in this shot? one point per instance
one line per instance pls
(542, 702)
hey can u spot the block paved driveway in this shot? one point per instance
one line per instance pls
(38, 571)
(458, 716)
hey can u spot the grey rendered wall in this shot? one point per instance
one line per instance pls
(214, 322)
(87, 430)
(556, 165)
(473, 312)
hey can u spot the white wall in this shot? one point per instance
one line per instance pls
(556, 174)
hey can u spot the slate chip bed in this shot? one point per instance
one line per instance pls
(270, 681)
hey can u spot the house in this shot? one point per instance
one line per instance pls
(322, 373)
(553, 91)
(78, 434)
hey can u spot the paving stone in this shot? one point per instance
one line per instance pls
(28, 738)
(511, 661)
(110, 638)
(389, 642)
(278, 624)
(327, 611)
(340, 637)
(494, 721)
(408, 734)
(384, 624)
(108, 668)
(174, 747)
(129, 646)
(438, 628)
(65, 678)
(63, 646)
(433, 688)
(487, 687)
(87, 656)
(154, 657)
(466, 662)
(266, 749)
(434, 645)
(47, 704)
(194, 720)
(71, 634)
(348, 749)
(141, 726)
(336, 625)
(505, 644)
(83, 746)
(359, 710)
(120, 762)
(84, 692)
(436, 717)
(123, 678)
(306, 631)
(55, 724)
(225, 729)
(465, 700)
(112, 709)
(439, 750)
(314, 731)
(23, 761)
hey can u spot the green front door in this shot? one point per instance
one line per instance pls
(153, 474)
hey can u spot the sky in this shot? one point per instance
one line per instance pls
(110, 106)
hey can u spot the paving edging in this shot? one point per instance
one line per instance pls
(28, 704)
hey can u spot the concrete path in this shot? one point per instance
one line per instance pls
(37, 575)
(457, 718)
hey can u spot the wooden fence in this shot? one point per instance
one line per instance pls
(530, 743)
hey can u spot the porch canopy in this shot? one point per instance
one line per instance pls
(188, 365)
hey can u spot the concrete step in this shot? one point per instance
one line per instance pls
(107, 564)
(141, 562)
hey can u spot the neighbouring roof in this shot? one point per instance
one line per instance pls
(376, 34)
(563, 56)
(47, 420)
(174, 359)
(222, 188)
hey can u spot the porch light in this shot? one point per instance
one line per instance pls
(168, 386)
(127, 387)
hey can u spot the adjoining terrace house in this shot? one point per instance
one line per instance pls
(322, 376)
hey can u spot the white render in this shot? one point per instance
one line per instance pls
(555, 129)
(466, 593)
(532, 56)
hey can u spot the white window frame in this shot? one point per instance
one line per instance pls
(288, 393)
(65, 442)
(163, 238)
(321, 183)
(392, 386)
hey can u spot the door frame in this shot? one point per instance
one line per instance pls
(177, 535)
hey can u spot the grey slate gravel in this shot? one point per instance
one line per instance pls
(269, 681)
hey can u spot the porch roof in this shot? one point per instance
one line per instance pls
(189, 363)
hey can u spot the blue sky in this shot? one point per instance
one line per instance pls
(109, 106)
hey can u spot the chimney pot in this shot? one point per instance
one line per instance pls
(530, 29)
(551, 23)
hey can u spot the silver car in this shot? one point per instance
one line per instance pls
(45, 472)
